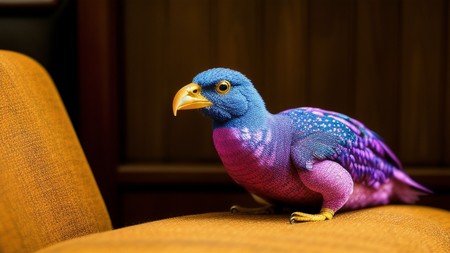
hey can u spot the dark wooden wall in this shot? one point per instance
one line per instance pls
(384, 62)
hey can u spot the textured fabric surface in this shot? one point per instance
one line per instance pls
(48, 193)
(380, 229)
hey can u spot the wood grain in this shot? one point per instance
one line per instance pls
(383, 62)
(447, 93)
(423, 82)
(285, 55)
(238, 41)
(98, 80)
(377, 69)
(168, 43)
(331, 57)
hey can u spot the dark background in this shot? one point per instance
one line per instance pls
(118, 63)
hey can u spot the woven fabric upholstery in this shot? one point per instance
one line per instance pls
(48, 193)
(381, 229)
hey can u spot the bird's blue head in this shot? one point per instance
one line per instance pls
(224, 95)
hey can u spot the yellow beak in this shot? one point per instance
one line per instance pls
(189, 97)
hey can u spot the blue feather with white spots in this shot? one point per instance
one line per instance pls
(334, 136)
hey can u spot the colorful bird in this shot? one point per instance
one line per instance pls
(300, 158)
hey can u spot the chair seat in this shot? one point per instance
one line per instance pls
(396, 228)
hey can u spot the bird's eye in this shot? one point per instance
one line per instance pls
(223, 87)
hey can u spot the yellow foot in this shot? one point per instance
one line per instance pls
(325, 214)
(254, 210)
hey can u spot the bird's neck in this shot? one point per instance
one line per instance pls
(254, 119)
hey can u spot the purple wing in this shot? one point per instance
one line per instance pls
(344, 140)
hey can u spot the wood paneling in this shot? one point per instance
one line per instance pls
(377, 68)
(168, 43)
(423, 81)
(98, 80)
(331, 58)
(285, 77)
(384, 62)
(446, 93)
(237, 35)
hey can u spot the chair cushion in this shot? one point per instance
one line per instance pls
(48, 193)
(380, 229)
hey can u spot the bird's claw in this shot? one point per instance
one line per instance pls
(254, 210)
(325, 214)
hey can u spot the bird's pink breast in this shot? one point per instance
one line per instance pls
(260, 162)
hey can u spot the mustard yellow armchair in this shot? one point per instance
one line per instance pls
(49, 200)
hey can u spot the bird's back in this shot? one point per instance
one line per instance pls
(375, 169)
(347, 141)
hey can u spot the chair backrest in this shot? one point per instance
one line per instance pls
(47, 191)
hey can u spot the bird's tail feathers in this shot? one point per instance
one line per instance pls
(406, 189)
